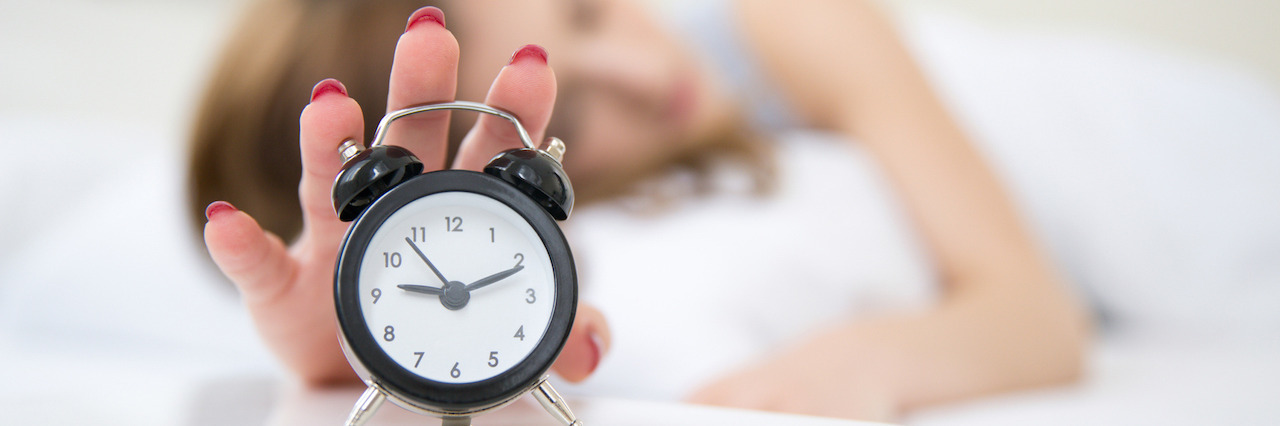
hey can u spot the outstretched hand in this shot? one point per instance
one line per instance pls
(288, 289)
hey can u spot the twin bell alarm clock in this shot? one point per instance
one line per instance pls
(455, 290)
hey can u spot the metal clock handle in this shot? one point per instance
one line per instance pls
(381, 133)
(555, 147)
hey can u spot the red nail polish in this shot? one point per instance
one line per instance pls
(529, 51)
(429, 13)
(326, 86)
(216, 208)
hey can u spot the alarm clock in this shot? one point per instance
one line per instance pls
(455, 290)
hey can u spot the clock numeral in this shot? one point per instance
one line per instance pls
(492, 237)
(455, 372)
(391, 260)
(532, 298)
(520, 334)
(493, 359)
(452, 224)
(419, 234)
(419, 361)
(389, 333)
(377, 294)
(519, 257)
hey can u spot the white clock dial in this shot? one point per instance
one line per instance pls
(490, 313)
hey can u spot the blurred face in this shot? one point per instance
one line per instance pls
(630, 95)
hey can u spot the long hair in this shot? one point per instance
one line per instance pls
(244, 145)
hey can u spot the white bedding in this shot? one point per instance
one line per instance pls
(1153, 178)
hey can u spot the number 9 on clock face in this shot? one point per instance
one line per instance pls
(456, 287)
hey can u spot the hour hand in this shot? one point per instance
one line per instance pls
(493, 278)
(424, 289)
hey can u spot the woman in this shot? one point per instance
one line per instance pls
(632, 102)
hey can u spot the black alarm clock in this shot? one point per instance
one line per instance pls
(455, 290)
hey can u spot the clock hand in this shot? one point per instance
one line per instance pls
(424, 259)
(494, 278)
(424, 289)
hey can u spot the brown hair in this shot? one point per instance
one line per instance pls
(245, 140)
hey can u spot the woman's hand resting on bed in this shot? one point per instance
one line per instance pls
(832, 374)
(288, 290)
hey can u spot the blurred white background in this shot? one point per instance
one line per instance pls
(144, 60)
(1236, 30)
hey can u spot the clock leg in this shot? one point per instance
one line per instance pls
(456, 421)
(554, 403)
(366, 406)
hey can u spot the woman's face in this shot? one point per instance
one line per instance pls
(630, 95)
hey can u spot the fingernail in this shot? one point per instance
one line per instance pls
(325, 86)
(216, 208)
(429, 13)
(597, 350)
(529, 51)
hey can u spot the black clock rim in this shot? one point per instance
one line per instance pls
(453, 396)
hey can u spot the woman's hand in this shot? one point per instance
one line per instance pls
(288, 290)
(826, 375)
(883, 367)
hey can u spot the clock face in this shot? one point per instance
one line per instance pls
(456, 287)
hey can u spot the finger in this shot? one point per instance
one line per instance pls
(425, 70)
(264, 272)
(330, 118)
(255, 260)
(587, 344)
(526, 87)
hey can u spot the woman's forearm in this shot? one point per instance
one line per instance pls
(1005, 320)
(970, 345)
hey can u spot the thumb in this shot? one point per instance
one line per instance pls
(255, 260)
(586, 345)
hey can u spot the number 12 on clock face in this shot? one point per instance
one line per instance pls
(456, 306)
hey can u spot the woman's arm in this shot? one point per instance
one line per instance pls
(1006, 320)
(288, 290)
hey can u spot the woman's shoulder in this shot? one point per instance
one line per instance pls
(715, 33)
(817, 52)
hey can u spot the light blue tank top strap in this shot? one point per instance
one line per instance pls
(709, 26)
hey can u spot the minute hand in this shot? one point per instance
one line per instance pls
(494, 278)
(424, 259)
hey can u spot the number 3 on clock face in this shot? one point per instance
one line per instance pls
(456, 287)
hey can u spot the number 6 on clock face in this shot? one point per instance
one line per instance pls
(505, 283)
(453, 318)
